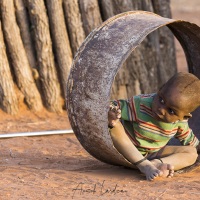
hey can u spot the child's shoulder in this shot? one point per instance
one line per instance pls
(145, 97)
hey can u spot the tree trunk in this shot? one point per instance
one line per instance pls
(8, 97)
(60, 41)
(24, 26)
(90, 14)
(74, 24)
(110, 8)
(21, 67)
(166, 44)
(106, 8)
(47, 70)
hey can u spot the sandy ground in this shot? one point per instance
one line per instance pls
(58, 168)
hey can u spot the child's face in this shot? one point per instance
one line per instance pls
(169, 106)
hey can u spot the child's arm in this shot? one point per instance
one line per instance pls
(125, 147)
(187, 137)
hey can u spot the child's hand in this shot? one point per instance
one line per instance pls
(114, 114)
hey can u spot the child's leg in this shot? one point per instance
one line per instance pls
(178, 156)
(124, 145)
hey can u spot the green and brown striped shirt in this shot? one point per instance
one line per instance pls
(147, 133)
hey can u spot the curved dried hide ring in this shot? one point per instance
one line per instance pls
(96, 64)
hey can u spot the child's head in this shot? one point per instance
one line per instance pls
(177, 98)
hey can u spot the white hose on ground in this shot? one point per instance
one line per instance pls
(40, 133)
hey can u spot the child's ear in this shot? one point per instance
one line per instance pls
(188, 116)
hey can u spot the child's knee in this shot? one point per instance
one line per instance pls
(192, 154)
(187, 149)
(192, 150)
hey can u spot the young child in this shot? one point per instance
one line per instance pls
(142, 126)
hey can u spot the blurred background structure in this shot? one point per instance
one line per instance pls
(39, 39)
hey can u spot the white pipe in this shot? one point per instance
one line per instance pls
(41, 133)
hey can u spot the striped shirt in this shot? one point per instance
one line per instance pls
(147, 133)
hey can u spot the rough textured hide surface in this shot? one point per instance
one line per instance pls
(98, 61)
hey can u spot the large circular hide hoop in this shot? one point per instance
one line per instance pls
(96, 64)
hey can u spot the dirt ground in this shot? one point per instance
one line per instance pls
(58, 168)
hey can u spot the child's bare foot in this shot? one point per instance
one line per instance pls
(149, 170)
(166, 169)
